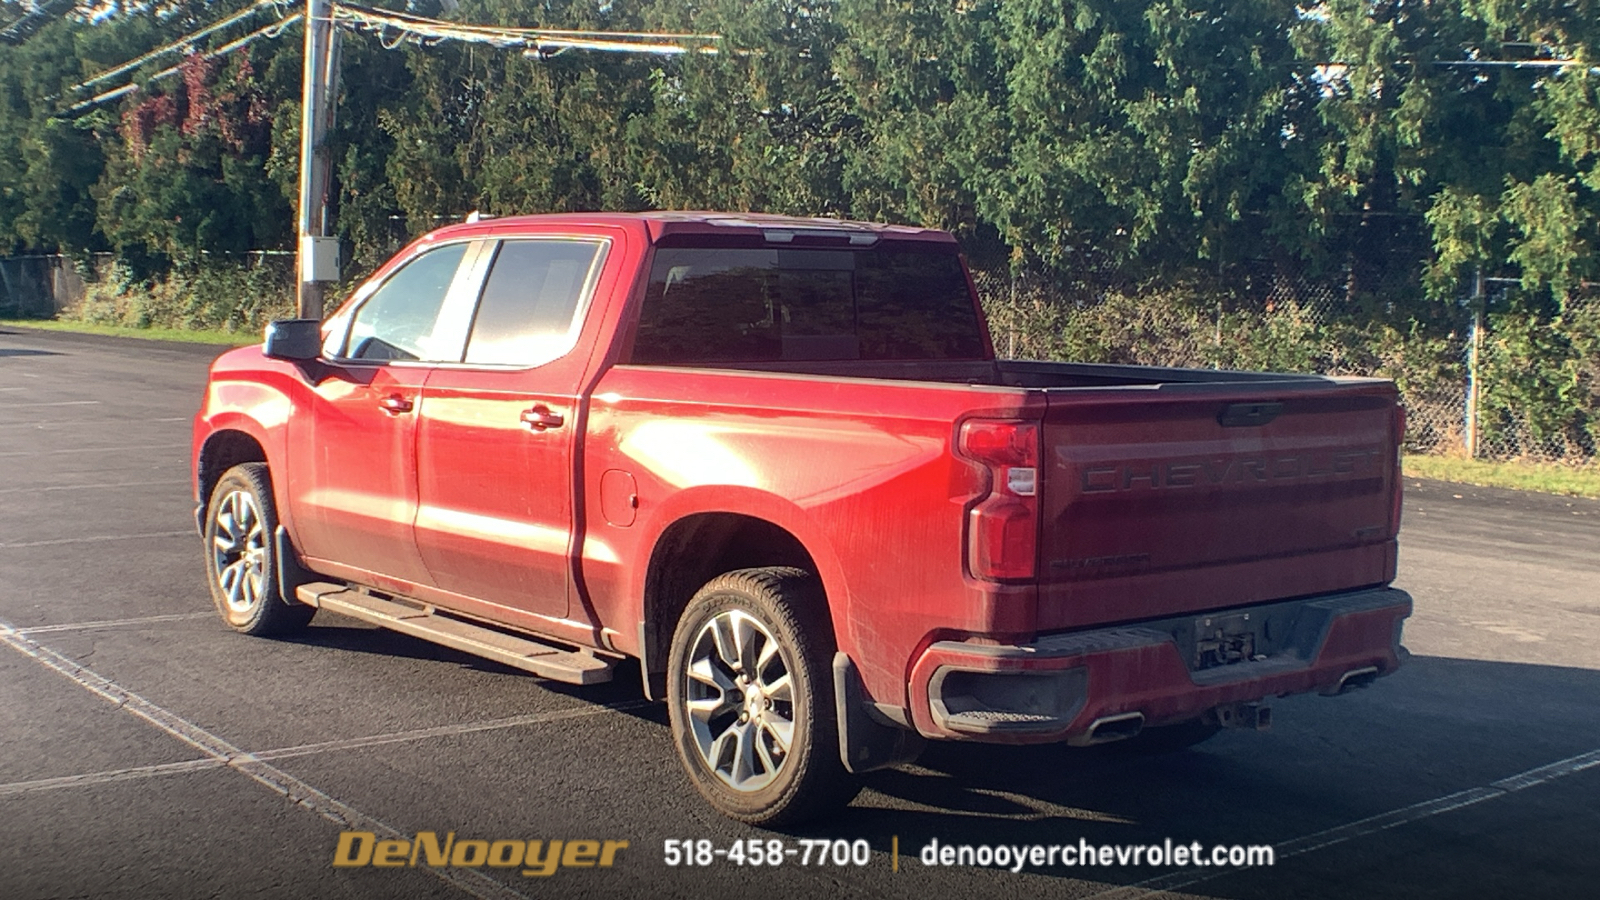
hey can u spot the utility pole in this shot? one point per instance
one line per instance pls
(318, 260)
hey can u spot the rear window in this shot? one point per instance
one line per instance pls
(796, 304)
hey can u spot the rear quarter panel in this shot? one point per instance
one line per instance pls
(861, 472)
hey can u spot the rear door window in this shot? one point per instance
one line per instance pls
(531, 307)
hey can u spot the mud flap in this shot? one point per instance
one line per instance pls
(866, 743)
(652, 672)
(291, 574)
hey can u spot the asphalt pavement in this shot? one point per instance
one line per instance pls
(147, 751)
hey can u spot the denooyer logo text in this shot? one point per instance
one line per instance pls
(535, 858)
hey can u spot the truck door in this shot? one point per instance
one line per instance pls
(497, 435)
(354, 480)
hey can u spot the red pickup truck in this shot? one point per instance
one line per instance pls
(777, 462)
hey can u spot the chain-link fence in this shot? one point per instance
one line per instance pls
(1537, 369)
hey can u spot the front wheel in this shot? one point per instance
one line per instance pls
(750, 699)
(241, 561)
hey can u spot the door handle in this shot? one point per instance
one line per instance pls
(541, 417)
(394, 404)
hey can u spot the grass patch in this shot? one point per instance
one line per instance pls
(1549, 478)
(186, 335)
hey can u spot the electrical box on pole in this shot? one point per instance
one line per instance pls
(318, 252)
(319, 259)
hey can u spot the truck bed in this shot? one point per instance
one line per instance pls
(1170, 490)
(1028, 373)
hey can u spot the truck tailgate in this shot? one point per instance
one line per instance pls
(1183, 497)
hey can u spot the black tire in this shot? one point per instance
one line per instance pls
(1168, 738)
(777, 786)
(241, 559)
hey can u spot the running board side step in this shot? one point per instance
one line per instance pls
(544, 660)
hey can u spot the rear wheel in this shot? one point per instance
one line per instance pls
(750, 698)
(241, 561)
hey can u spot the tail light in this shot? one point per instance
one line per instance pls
(1003, 527)
(1399, 475)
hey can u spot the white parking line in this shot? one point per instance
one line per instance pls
(1394, 818)
(114, 449)
(99, 421)
(265, 774)
(136, 773)
(115, 623)
(170, 482)
(52, 403)
(419, 734)
(97, 539)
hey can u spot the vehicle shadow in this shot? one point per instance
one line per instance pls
(383, 642)
(1437, 727)
(330, 632)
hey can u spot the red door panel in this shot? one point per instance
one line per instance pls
(361, 495)
(495, 509)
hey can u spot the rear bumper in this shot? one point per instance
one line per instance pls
(1061, 687)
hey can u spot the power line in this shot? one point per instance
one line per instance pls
(29, 23)
(543, 42)
(268, 31)
(539, 42)
(183, 43)
(1517, 64)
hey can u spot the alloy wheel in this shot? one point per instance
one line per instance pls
(238, 550)
(740, 700)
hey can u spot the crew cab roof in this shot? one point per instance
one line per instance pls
(661, 223)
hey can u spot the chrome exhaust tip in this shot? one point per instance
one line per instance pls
(1119, 727)
(1353, 679)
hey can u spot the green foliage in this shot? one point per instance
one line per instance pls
(1144, 156)
(191, 176)
(1541, 384)
(1463, 227)
(1161, 137)
(62, 161)
(1548, 223)
(214, 295)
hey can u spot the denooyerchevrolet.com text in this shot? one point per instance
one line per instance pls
(1017, 857)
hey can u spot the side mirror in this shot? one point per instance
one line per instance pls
(296, 340)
